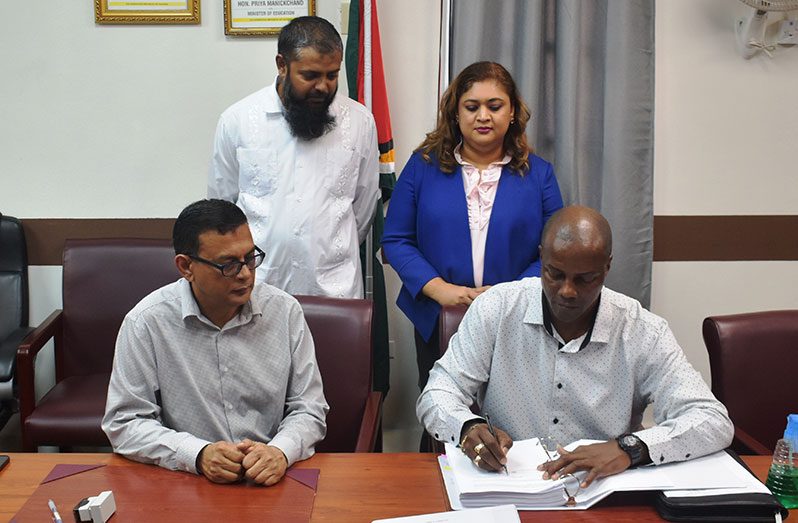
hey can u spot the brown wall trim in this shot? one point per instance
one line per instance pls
(676, 238)
(45, 237)
(725, 238)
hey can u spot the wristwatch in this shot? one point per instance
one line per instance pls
(633, 446)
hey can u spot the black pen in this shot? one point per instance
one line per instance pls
(493, 433)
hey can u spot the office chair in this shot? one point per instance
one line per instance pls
(448, 322)
(13, 309)
(102, 281)
(751, 358)
(341, 330)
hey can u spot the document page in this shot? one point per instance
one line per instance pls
(500, 514)
(522, 462)
(713, 475)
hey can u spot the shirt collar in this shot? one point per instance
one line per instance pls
(190, 307)
(459, 157)
(539, 313)
(272, 103)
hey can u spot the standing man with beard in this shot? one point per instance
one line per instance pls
(302, 163)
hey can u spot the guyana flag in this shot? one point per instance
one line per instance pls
(367, 85)
(359, 77)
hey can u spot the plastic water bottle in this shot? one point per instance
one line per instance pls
(783, 476)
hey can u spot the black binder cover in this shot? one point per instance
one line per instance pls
(726, 507)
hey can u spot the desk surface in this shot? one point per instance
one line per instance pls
(351, 488)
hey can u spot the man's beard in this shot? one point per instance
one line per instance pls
(306, 121)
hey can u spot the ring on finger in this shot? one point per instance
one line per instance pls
(477, 460)
(478, 448)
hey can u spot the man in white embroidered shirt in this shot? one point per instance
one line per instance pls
(214, 374)
(302, 162)
(561, 356)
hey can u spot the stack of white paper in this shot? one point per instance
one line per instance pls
(523, 484)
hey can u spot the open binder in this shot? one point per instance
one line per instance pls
(703, 489)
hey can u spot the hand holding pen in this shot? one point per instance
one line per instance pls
(485, 445)
(493, 433)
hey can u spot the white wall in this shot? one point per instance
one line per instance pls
(114, 121)
(96, 116)
(726, 131)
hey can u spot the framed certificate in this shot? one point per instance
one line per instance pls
(263, 17)
(147, 11)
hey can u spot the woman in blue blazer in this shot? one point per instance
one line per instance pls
(469, 207)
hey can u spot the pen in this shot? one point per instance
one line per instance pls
(493, 433)
(56, 515)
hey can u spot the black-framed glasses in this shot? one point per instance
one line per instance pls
(232, 268)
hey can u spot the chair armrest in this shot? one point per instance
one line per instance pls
(372, 414)
(745, 440)
(8, 352)
(52, 327)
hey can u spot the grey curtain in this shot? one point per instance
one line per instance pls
(586, 70)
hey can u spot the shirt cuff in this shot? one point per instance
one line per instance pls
(452, 426)
(662, 448)
(291, 450)
(187, 453)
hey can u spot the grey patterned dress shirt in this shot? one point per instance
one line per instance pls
(531, 386)
(179, 382)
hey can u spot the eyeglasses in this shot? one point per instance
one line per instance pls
(232, 268)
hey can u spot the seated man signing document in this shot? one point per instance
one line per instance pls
(214, 374)
(561, 356)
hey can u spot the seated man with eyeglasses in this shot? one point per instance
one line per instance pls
(214, 374)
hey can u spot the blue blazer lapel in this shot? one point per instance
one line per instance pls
(458, 205)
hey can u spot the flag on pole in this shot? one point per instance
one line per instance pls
(366, 81)
(364, 74)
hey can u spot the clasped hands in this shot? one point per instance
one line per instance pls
(226, 462)
(599, 459)
(449, 294)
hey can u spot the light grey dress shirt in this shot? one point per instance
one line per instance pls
(179, 382)
(503, 357)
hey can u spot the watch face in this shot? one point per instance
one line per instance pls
(629, 440)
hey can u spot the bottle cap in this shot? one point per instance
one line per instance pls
(791, 432)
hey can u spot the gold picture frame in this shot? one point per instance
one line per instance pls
(147, 11)
(263, 17)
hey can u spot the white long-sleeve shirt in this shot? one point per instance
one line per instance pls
(309, 203)
(179, 382)
(503, 356)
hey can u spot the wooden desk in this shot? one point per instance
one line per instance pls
(351, 488)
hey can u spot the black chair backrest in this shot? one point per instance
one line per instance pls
(13, 276)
